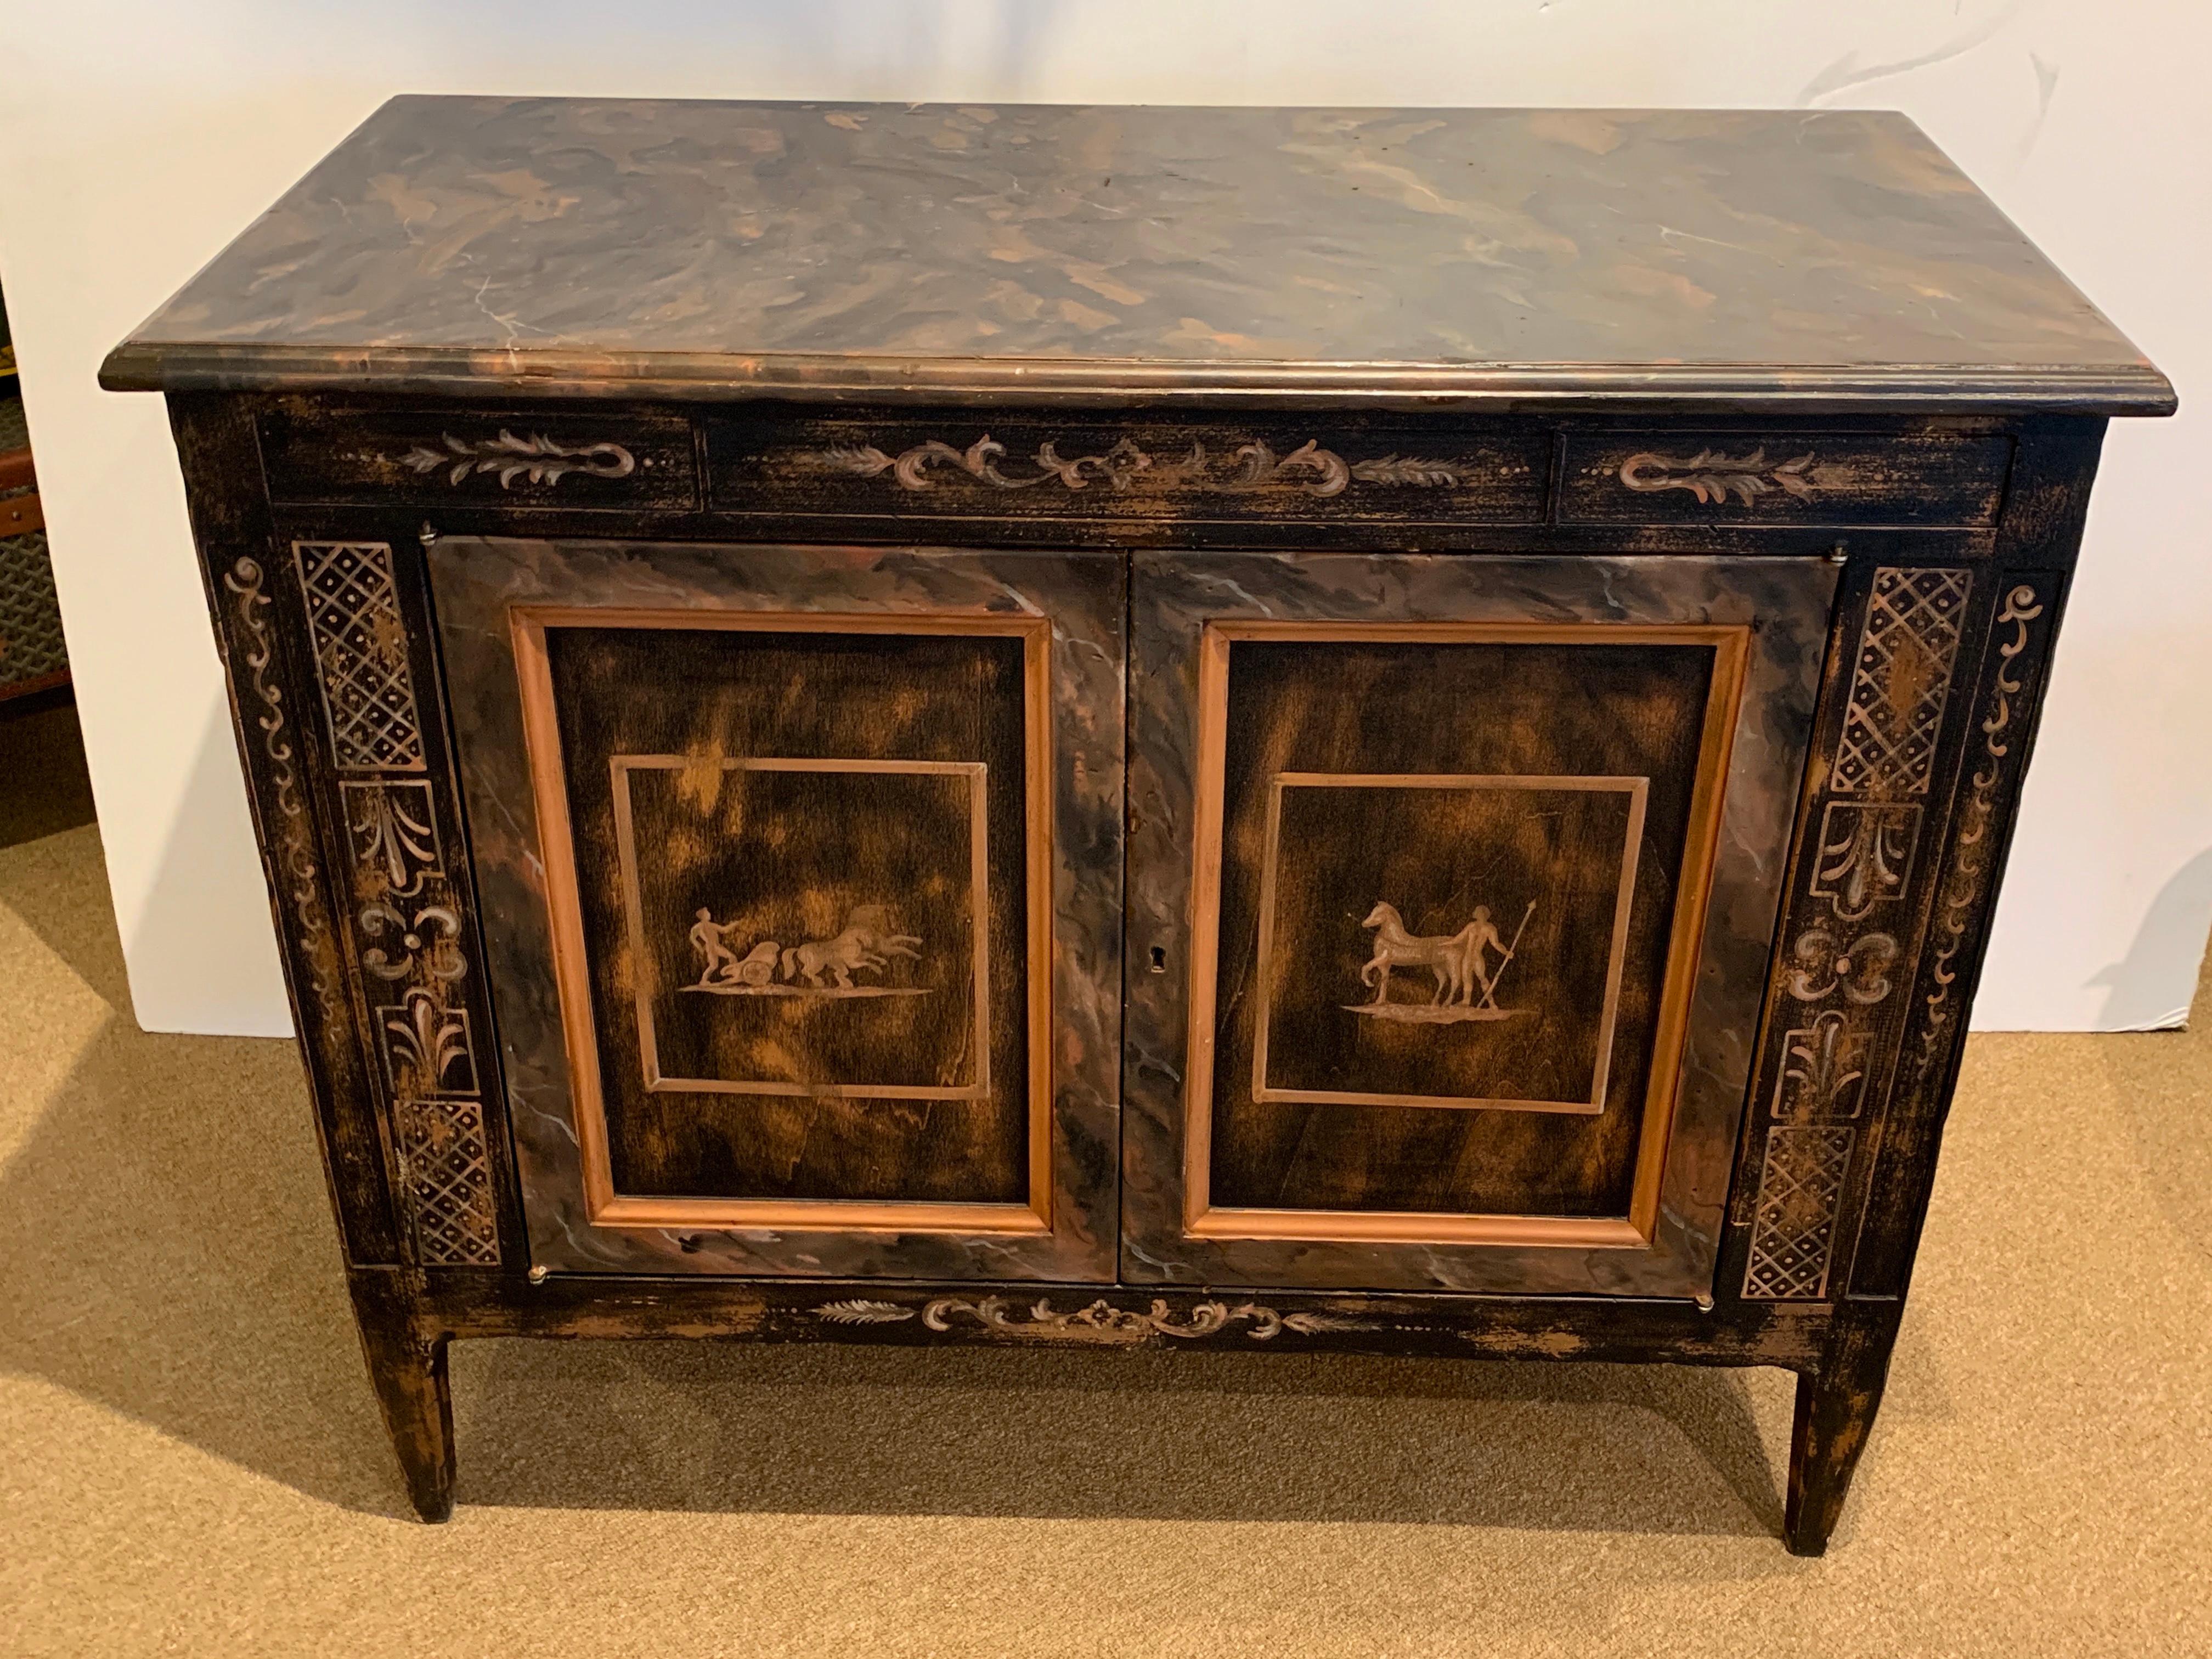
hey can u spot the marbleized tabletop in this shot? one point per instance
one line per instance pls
(582, 246)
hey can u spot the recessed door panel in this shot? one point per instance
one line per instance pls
(799, 857)
(1459, 988)
(777, 914)
(1475, 891)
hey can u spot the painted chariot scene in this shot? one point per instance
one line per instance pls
(824, 968)
(803, 925)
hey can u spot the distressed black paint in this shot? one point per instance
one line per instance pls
(1299, 354)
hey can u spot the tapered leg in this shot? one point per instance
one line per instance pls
(407, 1370)
(1836, 1406)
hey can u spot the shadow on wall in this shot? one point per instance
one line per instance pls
(2168, 951)
(194, 897)
(2162, 1084)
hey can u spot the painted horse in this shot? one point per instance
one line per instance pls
(868, 942)
(1456, 959)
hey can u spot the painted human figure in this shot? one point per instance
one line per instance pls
(1480, 936)
(707, 939)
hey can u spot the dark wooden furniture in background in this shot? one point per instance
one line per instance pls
(33, 656)
(1280, 729)
(44, 787)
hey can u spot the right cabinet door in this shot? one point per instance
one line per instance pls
(1452, 888)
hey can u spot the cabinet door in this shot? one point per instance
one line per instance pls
(1453, 883)
(793, 861)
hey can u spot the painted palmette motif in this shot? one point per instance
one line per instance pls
(408, 925)
(1861, 859)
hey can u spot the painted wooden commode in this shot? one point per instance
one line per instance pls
(1274, 729)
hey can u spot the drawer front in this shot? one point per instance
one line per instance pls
(1746, 477)
(1117, 471)
(462, 458)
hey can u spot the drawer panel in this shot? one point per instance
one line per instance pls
(1120, 470)
(375, 457)
(1669, 476)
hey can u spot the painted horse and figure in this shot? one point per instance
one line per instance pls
(1458, 962)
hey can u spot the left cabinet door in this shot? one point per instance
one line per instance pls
(801, 873)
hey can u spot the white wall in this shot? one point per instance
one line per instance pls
(136, 138)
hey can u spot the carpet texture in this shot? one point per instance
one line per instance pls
(195, 1465)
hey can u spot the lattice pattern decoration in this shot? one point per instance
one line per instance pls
(360, 655)
(351, 593)
(1793, 1238)
(31, 647)
(1901, 681)
(447, 1167)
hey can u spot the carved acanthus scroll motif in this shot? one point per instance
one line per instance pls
(536, 457)
(1127, 465)
(1712, 476)
(859, 1310)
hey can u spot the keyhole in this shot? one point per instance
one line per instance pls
(1160, 959)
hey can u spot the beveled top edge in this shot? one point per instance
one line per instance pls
(721, 249)
(2119, 390)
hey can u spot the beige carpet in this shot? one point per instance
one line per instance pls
(193, 1464)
